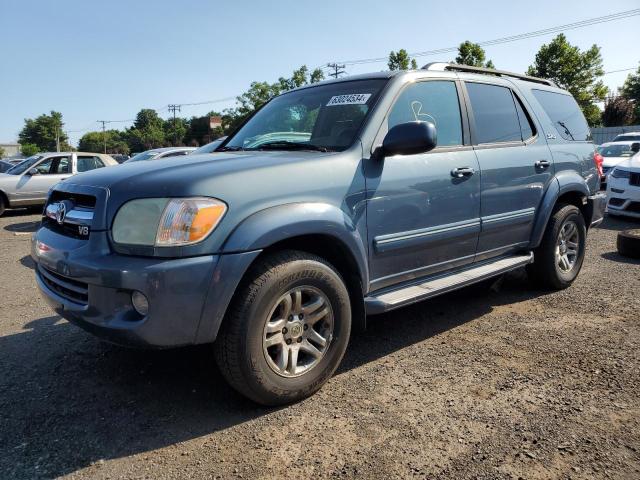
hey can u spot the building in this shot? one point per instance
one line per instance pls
(10, 149)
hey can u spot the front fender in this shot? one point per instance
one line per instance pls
(274, 224)
(564, 182)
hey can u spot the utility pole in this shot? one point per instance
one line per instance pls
(57, 138)
(104, 133)
(173, 108)
(337, 69)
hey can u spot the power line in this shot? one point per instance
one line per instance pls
(512, 38)
(337, 69)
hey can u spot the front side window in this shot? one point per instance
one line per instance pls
(494, 113)
(565, 114)
(433, 101)
(44, 167)
(324, 117)
(61, 165)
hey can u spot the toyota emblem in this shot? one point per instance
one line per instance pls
(61, 213)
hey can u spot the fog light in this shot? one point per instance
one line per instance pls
(140, 303)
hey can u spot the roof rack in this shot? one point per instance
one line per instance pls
(442, 66)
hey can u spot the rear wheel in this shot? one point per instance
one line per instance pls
(286, 330)
(559, 258)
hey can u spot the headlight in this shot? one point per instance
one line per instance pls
(167, 222)
(620, 173)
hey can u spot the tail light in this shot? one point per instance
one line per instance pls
(598, 160)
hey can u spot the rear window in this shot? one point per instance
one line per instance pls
(565, 114)
(627, 138)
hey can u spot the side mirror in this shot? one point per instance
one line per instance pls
(410, 138)
(635, 147)
(33, 171)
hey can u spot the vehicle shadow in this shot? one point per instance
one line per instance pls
(21, 212)
(619, 223)
(616, 257)
(23, 227)
(67, 400)
(28, 262)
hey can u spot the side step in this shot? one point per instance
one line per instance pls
(391, 299)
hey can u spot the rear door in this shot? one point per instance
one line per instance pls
(421, 218)
(516, 166)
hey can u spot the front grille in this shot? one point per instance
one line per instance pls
(634, 179)
(80, 200)
(633, 207)
(68, 288)
(616, 202)
(606, 170)
(80, 210)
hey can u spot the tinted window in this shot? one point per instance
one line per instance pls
(526, 125)
(565, 114)
(494, 112)
(435, 102)
(89, 163)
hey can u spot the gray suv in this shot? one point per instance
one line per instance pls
(334, 201)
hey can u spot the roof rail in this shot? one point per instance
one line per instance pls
(442, 66)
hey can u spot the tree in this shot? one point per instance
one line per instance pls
(45, 132)
(29, 149)
(95, 141)
(401, 61)
(199, 133)
(472, 54)
(2, 152)
(147, 131)
(631, 91)
(618, 111)
(261, 92)
(577, 71)
(175, 130)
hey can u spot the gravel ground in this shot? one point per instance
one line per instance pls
(503, 383)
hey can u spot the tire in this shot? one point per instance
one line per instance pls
(3, 207)
(628, 243)
(549, 270)
(267, 301)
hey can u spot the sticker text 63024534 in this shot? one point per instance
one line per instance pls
(349, 99)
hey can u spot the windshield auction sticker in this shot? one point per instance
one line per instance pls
(349, 99)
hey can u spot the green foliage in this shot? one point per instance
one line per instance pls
(472, 54)
(43, 131)
(29, 149)
(631, 91)
(618, 111)
(401, 61)
(2, 152)
(198, 132)
(261, 92)
(95, 141)
(175, 130)
(579, 72)
(147, 131)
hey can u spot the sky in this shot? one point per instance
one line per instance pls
(105, 60)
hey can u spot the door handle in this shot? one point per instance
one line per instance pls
(543, 164)
(461, 172)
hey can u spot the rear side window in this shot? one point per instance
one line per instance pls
(89, 163)
(494, 112)
(565, 114)
(526, 125)
(433, 101)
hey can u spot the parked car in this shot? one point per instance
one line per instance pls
(209, 147)
(28, 183)
(120, 158)
(158, 153)
(400, 186)
(4, 166)
(623, 187)
(628, 137)
(612, 154)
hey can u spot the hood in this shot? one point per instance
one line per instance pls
(631, 163)
(612, 161)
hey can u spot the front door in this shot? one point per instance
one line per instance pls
(51, 170)
(516, 166)
(422, 216)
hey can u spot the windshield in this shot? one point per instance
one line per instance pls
(148, 155)
(24, 165)
(209, 147)
(616, 150)
(325, 118)
(627, 138)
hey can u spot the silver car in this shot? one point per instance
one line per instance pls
(158, 153)
(29, 182)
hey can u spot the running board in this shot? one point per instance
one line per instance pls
(391, 299)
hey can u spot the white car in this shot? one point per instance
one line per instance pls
(628, 137)
(158, 153)
(28, 183)
(623, 188)
(612, 154)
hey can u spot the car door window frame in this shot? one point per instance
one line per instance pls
(515, 98)
(464, 117)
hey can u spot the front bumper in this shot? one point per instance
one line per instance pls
(90, 286)
(623, 198)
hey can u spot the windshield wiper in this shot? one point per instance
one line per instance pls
(566, 130)
(286, 145)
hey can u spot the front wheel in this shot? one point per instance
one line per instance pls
(286, 330)
(559, 258)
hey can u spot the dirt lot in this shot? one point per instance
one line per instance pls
(507, 383)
